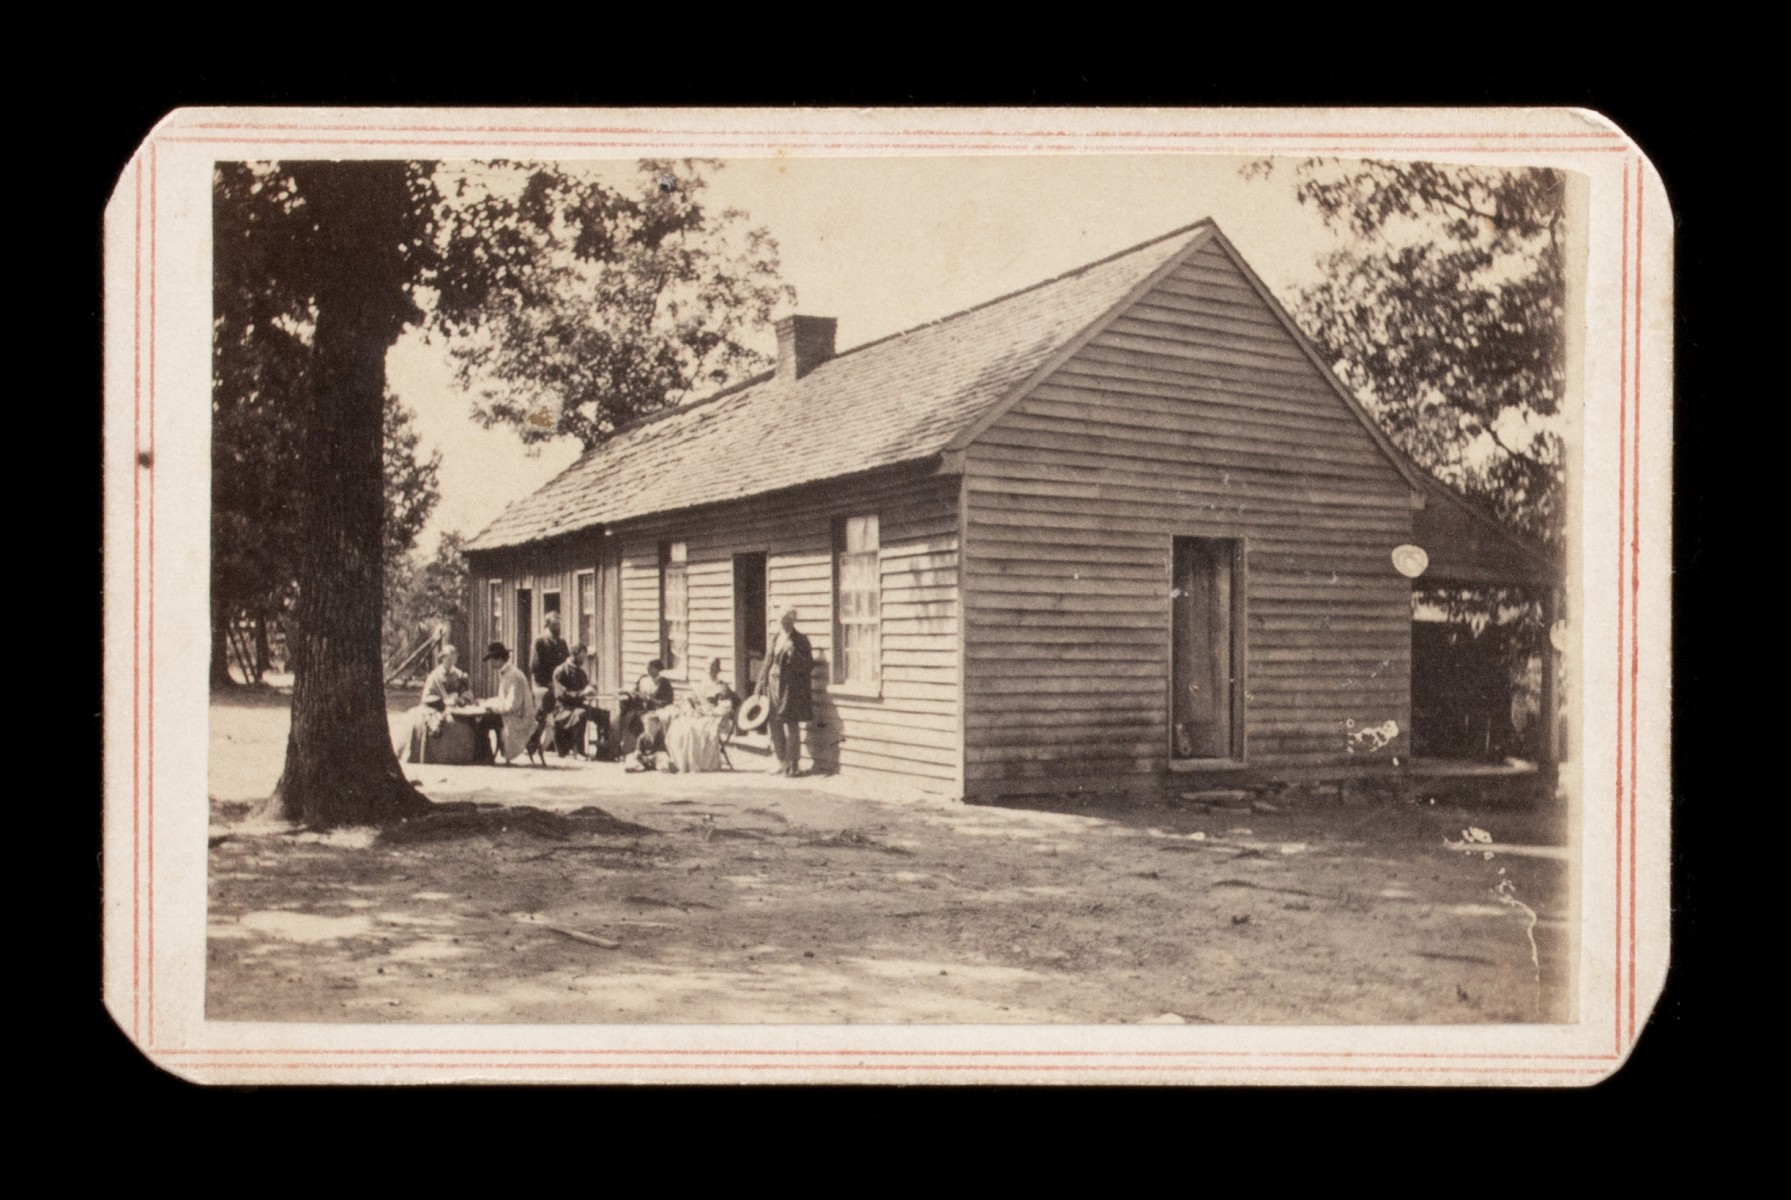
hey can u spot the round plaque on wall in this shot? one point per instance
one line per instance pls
(1410, 561)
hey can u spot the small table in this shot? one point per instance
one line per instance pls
(468, 726)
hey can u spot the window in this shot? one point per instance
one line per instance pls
(550, 603)
(585, 597)
(674, 603)
(495, 604)
(858, 590)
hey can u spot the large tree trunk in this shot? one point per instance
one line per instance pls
(340, 768)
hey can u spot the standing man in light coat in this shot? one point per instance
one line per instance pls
(514, 702)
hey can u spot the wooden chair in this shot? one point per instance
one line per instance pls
(596, 744)
(536, 746)
(725, 730)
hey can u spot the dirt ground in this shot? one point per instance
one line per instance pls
(745, 897)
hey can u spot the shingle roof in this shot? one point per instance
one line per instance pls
(900, 399)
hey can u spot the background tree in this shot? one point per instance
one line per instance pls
(363, 231)
(583, 306)
(1445, 312)
(255, 453)
(260, 356)
(411, 481)
(314, 262)
(420, 595)
(321, 266)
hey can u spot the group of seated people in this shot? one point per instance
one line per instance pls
(559, 707)
(451, 725)
(679, 734)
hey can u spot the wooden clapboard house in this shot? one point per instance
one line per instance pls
(1119, 525)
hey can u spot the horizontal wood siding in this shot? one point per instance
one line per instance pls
(1194, 414)
(912, 728)
(541, 569)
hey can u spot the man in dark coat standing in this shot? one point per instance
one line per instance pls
(550, 651)
(788, 685)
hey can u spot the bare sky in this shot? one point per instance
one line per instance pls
(889, 243)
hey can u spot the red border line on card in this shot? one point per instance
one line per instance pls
(629, 130)
(1622, 488)
(149, 712)
(143, 718)
(1317, 142)
(136, 603)
(599, 1052)
(1635, 602)
(1039, 1068)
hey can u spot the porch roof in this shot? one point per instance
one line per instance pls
(1469, 546)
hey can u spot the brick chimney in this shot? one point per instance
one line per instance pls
(803, 343)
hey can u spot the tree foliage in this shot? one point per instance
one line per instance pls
(263, 327)
(315, 468)
(579, 306)
(1445, 311)
(422, 595)
(411, 480)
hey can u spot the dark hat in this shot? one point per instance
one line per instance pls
(496, 650)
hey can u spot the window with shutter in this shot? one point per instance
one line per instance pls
(674, 604)
(586, 615)
(857, 604)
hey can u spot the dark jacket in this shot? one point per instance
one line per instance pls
(569, 683)
(790, 677)
(648, 694)
(550, 652)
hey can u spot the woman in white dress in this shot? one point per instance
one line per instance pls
(693, 739)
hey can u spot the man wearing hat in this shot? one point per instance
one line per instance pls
(514, 702)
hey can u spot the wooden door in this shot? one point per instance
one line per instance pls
(609, 617)
(750, 619)
(525, 629)
(1204, 713)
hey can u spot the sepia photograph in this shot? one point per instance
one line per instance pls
(876, 599)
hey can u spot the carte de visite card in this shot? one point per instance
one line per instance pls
(1021, 595)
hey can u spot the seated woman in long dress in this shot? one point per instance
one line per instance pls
(693, 738)
(447, 684)
(446, 687)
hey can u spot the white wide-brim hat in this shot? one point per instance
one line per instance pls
(753, 713)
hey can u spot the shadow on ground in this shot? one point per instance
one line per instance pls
(746, 898)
